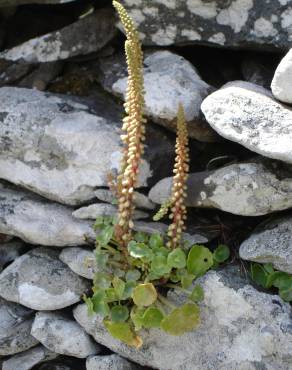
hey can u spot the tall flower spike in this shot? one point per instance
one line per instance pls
(133, 126)
(181, 170)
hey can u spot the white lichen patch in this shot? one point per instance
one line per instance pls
(236, 15)
(133, 2)
(218, 38)
(202, 8)
(165, 36)
(151, 11)
(191, 35)
(264, 28)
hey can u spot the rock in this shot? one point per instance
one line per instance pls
(15, 328)
(80, 260)
(93, 211)
(271, 242)
(50, 366)
(254, 330)
(235, 23)
(87, 35)
(10, 251)
(28, 359)
(141, 200)
(12, 72)
(63, 336)
(39, 280)
(40, 222)
(247, 114)
(281, 84)
(56, 147)
(111, 362)
(21, 2)
(165, 88)
(247, 189)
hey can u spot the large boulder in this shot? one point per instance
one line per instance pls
(271, 242)
(240, 328)
(248, 114)
(64, 149)
(247, 189)
(233, 23)
(110, 362)
(281, 84)
(39, 280)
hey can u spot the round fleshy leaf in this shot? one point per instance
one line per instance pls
(177, 259)
(137, 317)
(119, 286)
(152, 318)
(105, 235)
(102, 280)
(101, 259)
(100, 305)
(181, 319)
(129, 288)
(144, 295)
(155, 241)
(286, 294)
(187, 280)
(140, 250)
(141, 237)
(133, 275)
(111, 295)
(200, 260)
(259, 275)
(119, 313)
(221, 253)
(159, 266)
(197, 294)
(123, 332)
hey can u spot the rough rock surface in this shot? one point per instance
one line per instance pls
(271, 242)
(80, 260)
(281, 84)
(58, 148)
(63, 336)
(39, 280)
(93, 211)
(247, 189)
(248, 114)
(28, 359)
(15, 326)
(141, 200)
(40, 222)
(254, 332)
(10, 251)
(92, 32)
(21, 2)
(234, 23)
(112, 362)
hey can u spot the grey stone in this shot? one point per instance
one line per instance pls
(80, 260)
(248, 114)
(10, 251)
(39, 280)
(234, 23)
(239, 327)
(140, 200)
(247, 189)
(28, 359)
(281, 84)
(15, 326)
(56, 147)
(12, 72)
(21, 2)
(63, 336)
(87, 35)
(271, 242)
(112, 362)
(169, 80)
(93, 211)
(40, 222)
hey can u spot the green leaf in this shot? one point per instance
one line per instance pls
(133, 275)
(102, 280)
(155, 241)
(177, 258)
(182, 319)
(111, 295)
(286, 294)
(140, 250)
(105, 235)
(119, 286)
(99, 304)
(259, 275)
(152, 318)
(186, 280)
(162, 251)
(89, 305)
(123, 332)
(141, 237)
(101, 259)
(197, 294)
(269, 268)
(137, 317)
(200, 260)
(159, 266)
(221, 253)
(129, 287)
(144, 295)
(119, 313)
(281, 280)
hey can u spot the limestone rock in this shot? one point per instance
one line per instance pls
(281, 84)
(271, 242)
(111, 362)
(39, 280)
(28, 359)
(16, 322)
(241, 328)
(248, 114)
(85, 36)
(63, 336)
(40, 222)
(247, 189)
(21, 2)
(80, 260)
